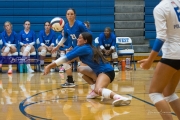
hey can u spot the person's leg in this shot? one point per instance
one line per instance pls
(162, 75)
(26, 53)
(115, 60)
(170, 96)
(90, 77)
(12, 50)
(53, 55)
(42, 51)
(102, 83)
(68, 70)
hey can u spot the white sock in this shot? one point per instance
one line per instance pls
(92, 86)
(10, 67)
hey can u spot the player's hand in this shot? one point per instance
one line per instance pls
(54, 49)
(145, 64)
(69, 49)
(46, 70)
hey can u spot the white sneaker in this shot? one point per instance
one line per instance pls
(121, 101)
(116, 68)
(92, 95)
(30, 70)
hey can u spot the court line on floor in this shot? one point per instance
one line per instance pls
(32, 117)
(147, 102)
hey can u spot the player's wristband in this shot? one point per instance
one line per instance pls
(157, 45)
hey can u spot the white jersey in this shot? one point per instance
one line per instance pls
(167, 21)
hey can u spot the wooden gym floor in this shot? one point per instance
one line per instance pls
(36, 97)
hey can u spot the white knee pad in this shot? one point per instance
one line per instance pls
(43, 52)
(171, 97)
(28, 48)
(114, 55)
(54, 54)
(9, 54)
(7, 49)
(156, 97)
(66, 66)
(62, 54)
(106, 93)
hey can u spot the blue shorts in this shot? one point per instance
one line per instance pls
(173, 63)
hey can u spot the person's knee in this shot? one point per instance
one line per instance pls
(54, 54)
(171, 97)
(80, 69)
(27, 48)
(114, 55)
(43, 52)
(156, 97)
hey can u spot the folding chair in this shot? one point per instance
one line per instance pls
(121, 43)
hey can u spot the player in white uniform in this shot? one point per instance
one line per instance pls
(167, 73)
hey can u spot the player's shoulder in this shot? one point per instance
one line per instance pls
(163, 5)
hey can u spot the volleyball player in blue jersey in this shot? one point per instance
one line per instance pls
(107, 44)
(10, 40)
(167, 73)
(65, 48)
(72, 29)
(47, 38)
(102, 71)
(27, 42)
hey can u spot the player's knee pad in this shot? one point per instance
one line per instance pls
(9, 54)
(27, 48)
(106, 93)
(43, 52)
(171, 97)
(156, 97)
(66, 66)
(114, 55)
(62, 54)
(7, 49)
(54, 54)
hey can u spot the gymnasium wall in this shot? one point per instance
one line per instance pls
(100, 13)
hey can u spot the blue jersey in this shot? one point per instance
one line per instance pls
(85, 53)
(74, 31)
(12, 39)
(67, 43)
(28, 38)
(107, 42)
(47, 39)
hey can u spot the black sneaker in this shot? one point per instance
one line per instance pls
(66, 85)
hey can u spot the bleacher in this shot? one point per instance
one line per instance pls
(100, 13)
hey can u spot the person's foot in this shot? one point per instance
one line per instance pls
(30, 70)
(121, 101)
(116, 68)
(92, 95)
(61, 69)
(68, 85)
(10, 71)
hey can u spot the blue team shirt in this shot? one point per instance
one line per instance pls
(27, 38)
(107, 42)
(67, 43)
(74, 31)
(85, 53)
(12, 39)
(47, 39)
